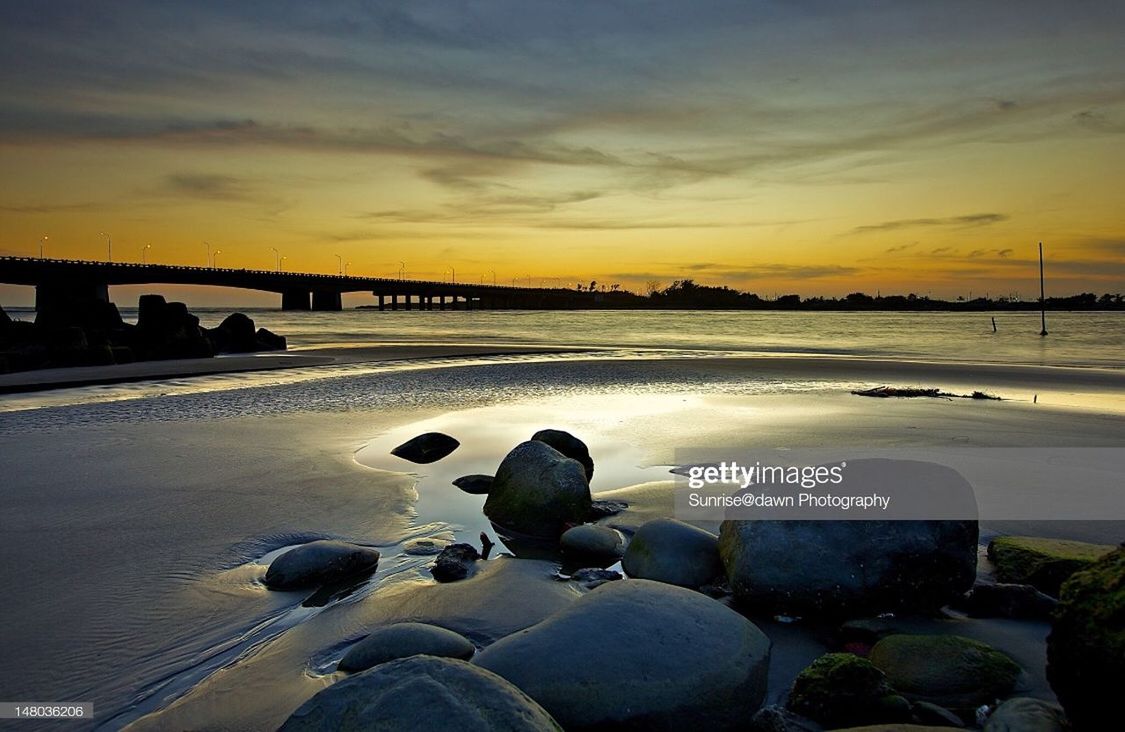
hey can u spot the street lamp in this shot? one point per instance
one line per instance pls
(339, 265)
(493, 278)
(144, 253)
(346, 265)
(108, 247)
(215, 257)
(280, 262)
(208, 245)
(453, 273)
(42, 244)
(277, 259)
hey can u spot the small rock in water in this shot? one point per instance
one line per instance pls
(427, 448)
(592, 577)
(988, 600)
(421, 693)
(455, 562)
(591, 540)
(424, 547)
(949, 670)
(319, 562)
(568, 445)
(602, 509)
(1027, 715)
(667, 550)
(476, 484)
(402, 640)
(538, 491)
(841, 690)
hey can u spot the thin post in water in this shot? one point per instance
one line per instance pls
(1042, 295)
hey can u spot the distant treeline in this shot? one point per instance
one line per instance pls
(688, 295)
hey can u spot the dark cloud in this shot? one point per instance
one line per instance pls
(965, 221)
(208, 186)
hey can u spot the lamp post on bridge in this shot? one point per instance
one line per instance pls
(280, 262)
(215, 257)
(277, 259)
(42, 245)
(339, 265)
(346, 265)
(494, 278)
(402, 270)
(453, 273)
(108, 247)
(144, 253)
(208, 245)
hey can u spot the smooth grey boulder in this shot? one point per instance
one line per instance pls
(423, 693)
(848, 567)
(1027, 715)
(402, 640)
(637, 654)
(568, 445)
(318, 563)
(591, 540)
(667, 550)
(538, 491)
(426, 448)
(476, 484)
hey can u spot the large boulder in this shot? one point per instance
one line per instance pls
(402, 640)
(568, 445)
(1086, 647)
(319, 563)
(267, 340)
(1042, 563)
(426, 448)
(538, 491)
(988, 600)
(477, 484)
(841, 689)
(636, 654)
(949, 670)
(423, 693)
(848, 567)
(667, 550)
(1027, 715)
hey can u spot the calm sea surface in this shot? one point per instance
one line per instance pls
(1076, 339)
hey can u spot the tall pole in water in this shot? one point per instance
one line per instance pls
(1042, 295)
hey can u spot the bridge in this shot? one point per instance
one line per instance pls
(63, 282)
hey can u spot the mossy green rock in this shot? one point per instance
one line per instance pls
(1086, 647)
(841, 689)
(949, 670)
(1042, 563)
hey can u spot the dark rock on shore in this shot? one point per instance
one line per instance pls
(426, 448)
(848, 567)
(948, 670)
(779, 719)
(988, 600)
(840, 690)
(602, 509)
(476, 484)
(455, 562)
(591, 540)
(667, 550)
(402, 640)
(422, 693)
(318, 563)
(1086, 647)
(538, 491)
(637, 654)
(1042, 563)
(1027, 715)
(568, 445)
(591, 577)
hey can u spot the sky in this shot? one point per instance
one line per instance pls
(806, 147)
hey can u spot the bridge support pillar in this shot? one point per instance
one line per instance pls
(382, 304)
(441, 302)
(327, 300)
(406, 299)
(295, 300)
(394, 302)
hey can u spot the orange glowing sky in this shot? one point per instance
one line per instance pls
(810, 147)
